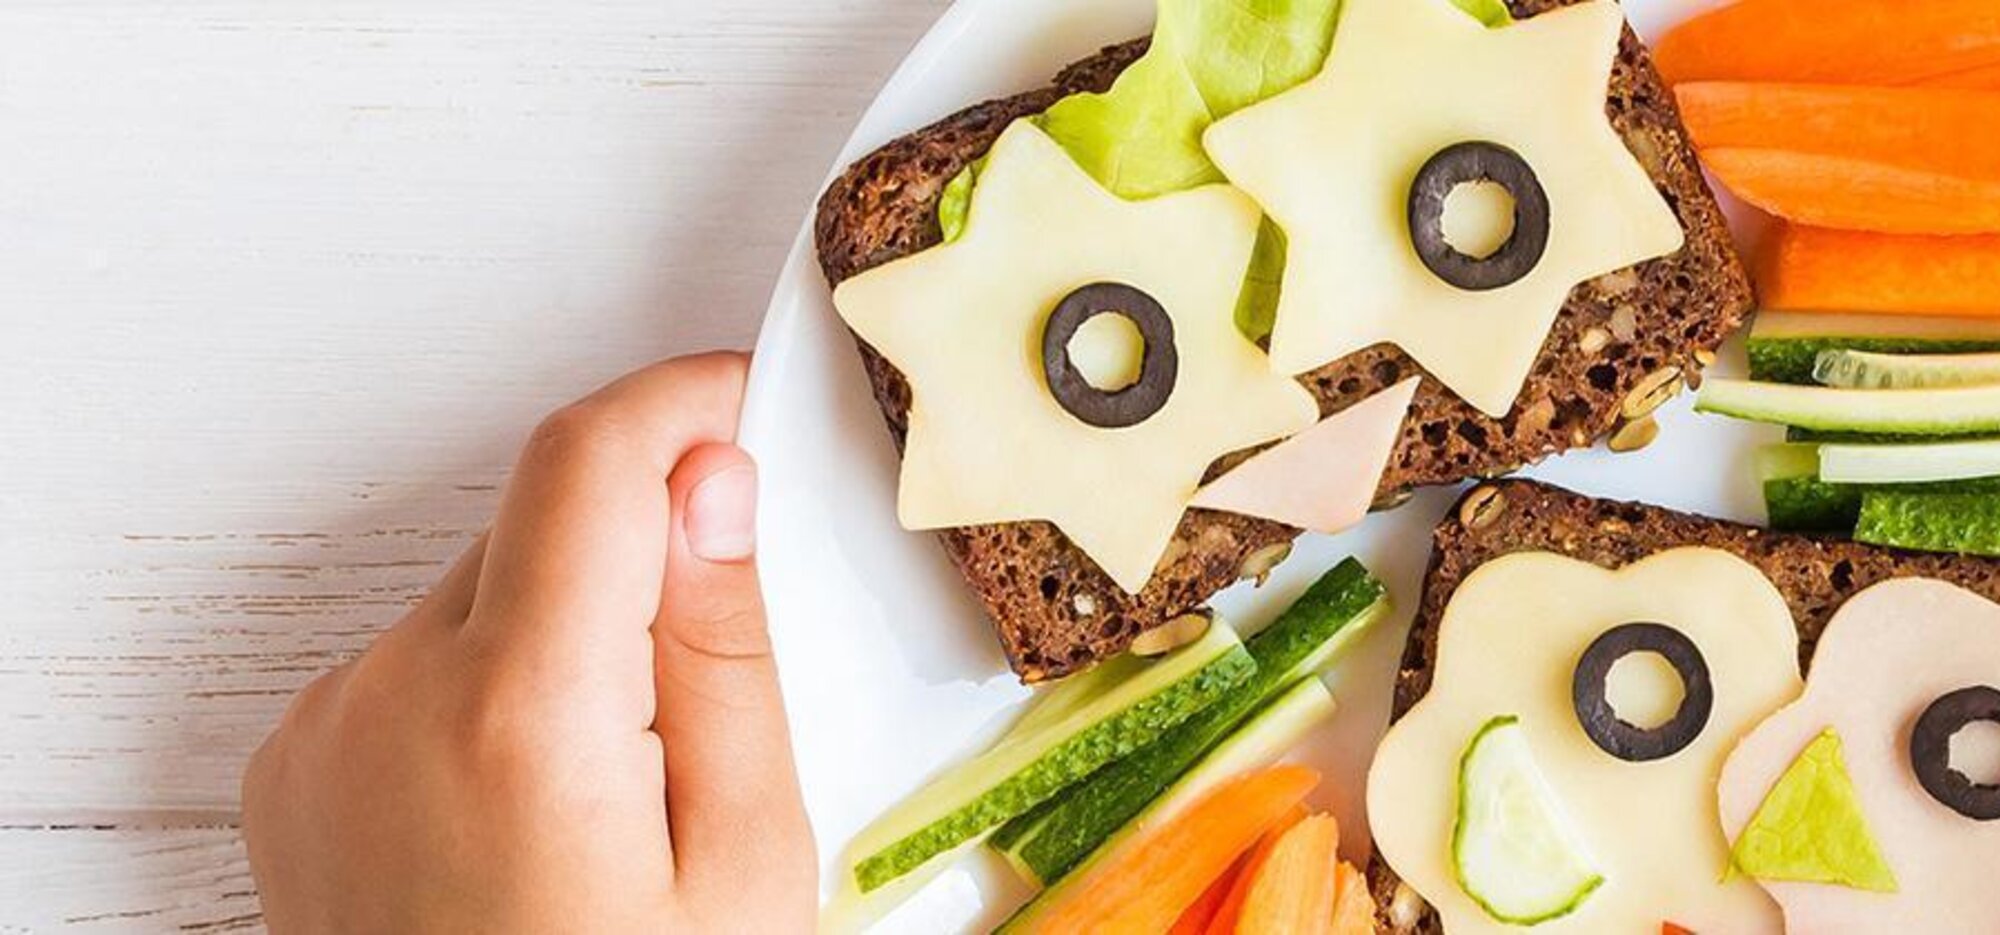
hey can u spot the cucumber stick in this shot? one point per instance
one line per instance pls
(1909, 464)
(1513, 847)
(1055, 702)
(1866, 370)
(1047, 843)
(971, 799)
(1260, 741)
(1935, 412)
(1966, 523)
(1795, 499)
(1785, 346)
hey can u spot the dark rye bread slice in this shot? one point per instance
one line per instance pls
(1816, 574)
(1056, 611)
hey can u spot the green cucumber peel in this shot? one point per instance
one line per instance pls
(1048, 843)
(1811, 436)
(1513, 837)
(971, 799)
(1808, 504)
(1792, 360)
(1259, 741)
(1795, 499)
(1784, 346)
(1958, 522)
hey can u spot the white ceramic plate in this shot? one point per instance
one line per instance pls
(890, 668)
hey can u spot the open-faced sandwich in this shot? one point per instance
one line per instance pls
(1280, 263)
(1288, 260)
(1618, 718)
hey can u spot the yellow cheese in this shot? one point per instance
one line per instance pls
(1332, 160)
(1508, 644)
(964, 321)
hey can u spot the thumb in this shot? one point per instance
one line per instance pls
(733, 802)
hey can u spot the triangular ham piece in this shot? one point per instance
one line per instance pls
(1324, 478)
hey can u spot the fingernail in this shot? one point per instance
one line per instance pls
(722, 516)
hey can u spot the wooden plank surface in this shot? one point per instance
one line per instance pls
(282, 285)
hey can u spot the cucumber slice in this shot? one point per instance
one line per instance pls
(1514, 849)
(1054, 702)
(976, 796)
(1047, 843)
(1784, 346)
(1909, 464)
(1260, 741)
(1938, 412)
(1795, 499)
(1965, 523)
(1867, 370)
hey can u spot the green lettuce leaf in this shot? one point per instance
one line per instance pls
(1490, 12)
(1257, 304)
(1811, 829)
(1209, 59)
(956, 202)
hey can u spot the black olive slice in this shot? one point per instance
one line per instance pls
(1479, 161)
(1613, 734)
(1158, 368)
(1930, 751)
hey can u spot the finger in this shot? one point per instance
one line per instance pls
(733, 797)
(573, 570)
(451, 601)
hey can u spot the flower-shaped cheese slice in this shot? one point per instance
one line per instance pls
(1332, 162)
(988, 443)
(1887, 654)
(1508, 644)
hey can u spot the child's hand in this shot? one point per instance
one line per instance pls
(580, 729)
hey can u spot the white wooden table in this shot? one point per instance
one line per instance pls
(282, 285)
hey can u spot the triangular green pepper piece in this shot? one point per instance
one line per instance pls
(1810, 828)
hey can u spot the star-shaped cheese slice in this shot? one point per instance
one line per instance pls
(1332, 160)
(987, 441)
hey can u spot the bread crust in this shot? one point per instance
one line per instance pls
(1056, 612)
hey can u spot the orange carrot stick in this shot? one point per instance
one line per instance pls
(1812, 269)
(1354, 908)
(1824, 41)
(1297, 888)
(1145, 884)
(1196, 919)
(1984, 78)
(1224, 921)
(1949, 132)
(1856, 194)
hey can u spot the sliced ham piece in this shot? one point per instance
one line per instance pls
(1324, 478)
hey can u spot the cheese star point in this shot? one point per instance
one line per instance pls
(963, 322)
(1332, 162)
